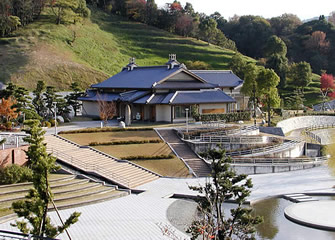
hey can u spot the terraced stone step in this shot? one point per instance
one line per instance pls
(299, 197)
(68, 189)
(94, 162)
(64, 204)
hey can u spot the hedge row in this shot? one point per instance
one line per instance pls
(125, 142)
(228, 117)
(105, 129)
(144, 157)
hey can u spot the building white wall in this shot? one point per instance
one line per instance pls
(213, 106)
(90, 108)
(163, 113)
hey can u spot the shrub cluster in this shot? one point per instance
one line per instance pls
(144, 157)
(228, 117)
(15, 174)
(125, 142)
(105, 129)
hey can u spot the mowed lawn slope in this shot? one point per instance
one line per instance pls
(104, 43)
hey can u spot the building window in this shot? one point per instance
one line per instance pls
(179, 111)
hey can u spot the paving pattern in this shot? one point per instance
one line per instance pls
(199, 167)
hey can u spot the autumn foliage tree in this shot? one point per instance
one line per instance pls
(327, 87)
(8, 113)
(317, 41)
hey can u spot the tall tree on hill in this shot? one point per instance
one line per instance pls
(69, 10)
(151, 12)
(275, 51)
(237, 65)
(250, 33)
(300, 74)
(207, 29)
(267, 82)
(250, 83)
(284, 26)
(34, 208)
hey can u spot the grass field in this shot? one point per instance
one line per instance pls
(146, 149)
(104, 44)
(86, 138)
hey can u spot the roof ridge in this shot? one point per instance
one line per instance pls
(211, 71)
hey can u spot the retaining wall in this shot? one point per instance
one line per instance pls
(259, 169)
(304, 122)
(10, 156)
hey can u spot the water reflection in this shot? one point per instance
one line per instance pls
(269, 210)
(277, 227)
(331, 160)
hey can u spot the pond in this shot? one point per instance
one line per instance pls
(275, 225)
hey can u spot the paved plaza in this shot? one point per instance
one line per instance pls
(139, 216)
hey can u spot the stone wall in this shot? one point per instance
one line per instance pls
(13, 155)
(304, 122)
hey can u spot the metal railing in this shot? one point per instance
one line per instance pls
(13, 140)
(220, 132)
(264, 150)
(90, 167)
(240, 139)
(9, 235)
(313, 136)
(274, 161)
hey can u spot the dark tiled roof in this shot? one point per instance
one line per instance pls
(221, 78)
(197, 97)
(93, 96)
(138, 78)
(143, 100)
(132, 95)
(184, 85)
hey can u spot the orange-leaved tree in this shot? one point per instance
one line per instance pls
(7, 112)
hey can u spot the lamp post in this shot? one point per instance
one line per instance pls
(254, 102)
(55, 111)
(186, 109)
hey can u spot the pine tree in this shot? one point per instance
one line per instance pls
(224, 185)
(72, 98)
(34, 208)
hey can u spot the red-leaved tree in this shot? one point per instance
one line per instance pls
(327, 87)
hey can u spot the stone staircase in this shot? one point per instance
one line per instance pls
(299, 197)
(121, 172)
(69, 191)
(183, 151)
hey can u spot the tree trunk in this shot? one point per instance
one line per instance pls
(269, 112)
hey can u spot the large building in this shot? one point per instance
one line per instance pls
(164, 93)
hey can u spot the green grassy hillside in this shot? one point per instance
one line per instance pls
(43, 50)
